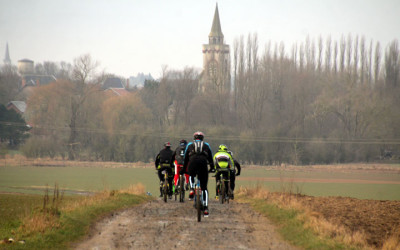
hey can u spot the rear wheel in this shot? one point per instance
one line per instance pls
(165, 188)
(198, 204)
(222, 192)
(165, 192)
(181, 188)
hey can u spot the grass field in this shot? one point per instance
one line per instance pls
(363, 184)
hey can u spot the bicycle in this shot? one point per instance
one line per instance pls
(181, 188)
(198, 202)
(165, 185)
(224, 191)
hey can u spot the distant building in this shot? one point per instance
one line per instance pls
(7, 59)
(113, 82)
(26, 67)
(216, 60)
(28, 77)
(36, 80)
(139, 80)
(17, 106)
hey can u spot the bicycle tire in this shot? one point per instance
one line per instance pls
(227, 193)
(222, 192)
(176, 191)
(198, 204)
(165, 188)
(182, 188)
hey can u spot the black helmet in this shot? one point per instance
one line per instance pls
(198, 135)
(183, 142)
(167, 144)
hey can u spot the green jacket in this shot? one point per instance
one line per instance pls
(223, 160)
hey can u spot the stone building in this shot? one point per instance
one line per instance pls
(216, 60)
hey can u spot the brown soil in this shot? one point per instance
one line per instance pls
(378, 220)
(159, 225)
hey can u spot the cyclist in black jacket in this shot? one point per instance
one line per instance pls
(163, 162)
(197, 154)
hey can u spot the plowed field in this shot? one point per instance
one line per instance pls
(376, 219)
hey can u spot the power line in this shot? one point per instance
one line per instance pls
(266, 139)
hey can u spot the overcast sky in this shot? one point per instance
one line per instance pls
(131, 36)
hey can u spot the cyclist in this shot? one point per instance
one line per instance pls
(234, 173)
(223, 163)
(197, 154)
(177, 162)
(163, 162)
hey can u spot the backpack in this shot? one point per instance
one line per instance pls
(180, 154)
(198, 148)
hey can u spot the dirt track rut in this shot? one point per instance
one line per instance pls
(173, 225)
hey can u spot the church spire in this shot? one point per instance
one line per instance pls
(216, 36)
(7, 59)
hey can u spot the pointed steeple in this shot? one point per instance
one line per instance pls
(216, 36)
(7, 59)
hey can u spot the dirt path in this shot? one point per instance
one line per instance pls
(173, 225)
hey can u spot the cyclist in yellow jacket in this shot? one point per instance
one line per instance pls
(223, 163)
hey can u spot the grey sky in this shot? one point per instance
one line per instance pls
(133, 36)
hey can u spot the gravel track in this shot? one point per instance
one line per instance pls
(173, 225)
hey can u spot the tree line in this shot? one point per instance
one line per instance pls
(322, 101)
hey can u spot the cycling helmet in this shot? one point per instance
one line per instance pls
(223, 148)
(167, 144)
(198, 136)
(183, 142)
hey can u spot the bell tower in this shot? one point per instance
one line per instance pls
(7, 59)
(216, 60)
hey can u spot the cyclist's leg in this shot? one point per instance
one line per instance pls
(161, 177)
(176, 176)
(233, 178)
(170, 179)
(217, 178)
(192, 172)
(203, 177)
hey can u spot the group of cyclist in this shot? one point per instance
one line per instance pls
(192, 159)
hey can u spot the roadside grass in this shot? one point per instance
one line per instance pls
(63, 220)
(297, 226)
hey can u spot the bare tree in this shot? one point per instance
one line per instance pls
(84, 85)
(320, 48)
(363, 59)
(342, 54)
(328, 55)
(377, 62)
(349, 52)
(355, 60)
(392, 65)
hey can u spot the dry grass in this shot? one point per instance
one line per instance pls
(393, 242)
(38, 222)
(137, 189)
(311, 219)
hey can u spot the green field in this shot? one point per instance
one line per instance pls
(91, 179)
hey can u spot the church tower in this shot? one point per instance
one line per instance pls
(7, 59)
(216, 60)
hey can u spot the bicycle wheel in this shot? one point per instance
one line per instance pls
(165, 189)
(182, 188)
(222, 192)
(198, 204)
(228, 193)
(176, 191)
